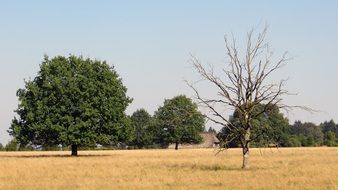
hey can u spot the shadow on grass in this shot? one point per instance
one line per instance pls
(54, 156)
(215, 167)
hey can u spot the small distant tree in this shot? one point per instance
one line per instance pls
(179, 121)
(309, 134)
(12, 145)
(126, 133)
(294, 141)
(1, 147)
(243, 84)
(329, 126)
(330, 139)
(212, 130)
(315, 132)
(74, 102)
(297, 128)
(141, 121)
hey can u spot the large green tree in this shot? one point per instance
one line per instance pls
(72, 101)
(179, 121)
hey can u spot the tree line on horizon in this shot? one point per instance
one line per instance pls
(62, 106)
(299, 134)
(146, 133)
(76, 103)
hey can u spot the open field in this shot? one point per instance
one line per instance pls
(284, 168)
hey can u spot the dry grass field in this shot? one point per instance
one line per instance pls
(284, 168)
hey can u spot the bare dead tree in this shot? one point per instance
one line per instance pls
(243, 85)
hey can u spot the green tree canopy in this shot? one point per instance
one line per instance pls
(141, 120)
(269, 127)
(329, 126)
(179, 121)
(12, 145)
(308, 133)
(330, 130)
(330, 139)
(72, 101)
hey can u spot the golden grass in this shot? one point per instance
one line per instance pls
(284, 168)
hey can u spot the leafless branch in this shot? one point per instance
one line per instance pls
(245, 84)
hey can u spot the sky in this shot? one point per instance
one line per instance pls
(150, 44)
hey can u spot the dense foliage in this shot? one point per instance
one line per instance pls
(179, 121)
(72, 101)
(267, 128)
(280, 133)
(142, 126)
(309, 134)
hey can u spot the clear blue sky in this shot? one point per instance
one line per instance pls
(149, 43)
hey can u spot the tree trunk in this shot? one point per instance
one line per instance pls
(74, 150)
(176, 145)
(245, 148)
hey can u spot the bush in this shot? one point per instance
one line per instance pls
(294, 141)
(11, 145)
(330, 139)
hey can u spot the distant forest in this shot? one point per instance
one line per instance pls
(78, 103)
(299, 134)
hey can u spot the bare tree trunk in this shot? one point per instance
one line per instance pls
(74, 150)
(245, 148)
(176, 145)
(244, 88)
